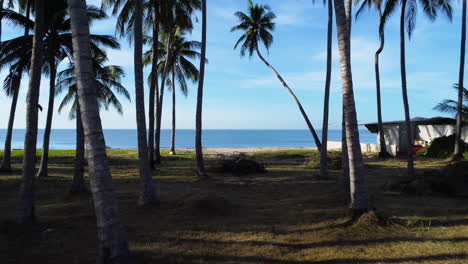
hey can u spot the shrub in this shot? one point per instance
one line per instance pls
(441, 147)
(238, 164)
(333, 162)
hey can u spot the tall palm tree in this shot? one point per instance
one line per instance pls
(148, 191)
(25, 209)
(13, 80)
(108, 83)
(408, 21)
(326, 103)
(58, 45)
(113, 243)
(359, 195)
(198, 116)
(378, 6)
(181, 51)
(457, 153)
(257, 27)
(176, 17)
(130, 23)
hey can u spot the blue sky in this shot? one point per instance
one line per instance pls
(242, 93)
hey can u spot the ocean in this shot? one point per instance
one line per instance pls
(212, 138)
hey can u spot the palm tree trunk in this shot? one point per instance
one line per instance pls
(409, 134)
(157, 149)
(6, 162)
(78, 182)
(154, 90)
(358, 187)
(1, 18)
(147, 191)
(323, 152)
(173, 151)
(383, 147)
(285, 85)
(198, 116)
(44, 167)
(113, 245)
(457, 154)
(25, 210)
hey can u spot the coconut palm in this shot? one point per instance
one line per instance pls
(257, 27)
(326, 103)
(198, 116)
(451, 106)
(13, 80)
(457, 154)
(408, 21)
(129, 20)
(358, 188)
(113, 243)
(181, 51)
(378, 4)
(108, 79)
(25, 209)
(176, 17)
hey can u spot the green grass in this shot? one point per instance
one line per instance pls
(287, 215)
(294, 154)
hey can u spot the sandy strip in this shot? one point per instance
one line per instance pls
(247, 149)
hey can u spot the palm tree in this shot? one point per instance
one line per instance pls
(108, 79)
(198, 116)
(113, 244)
(323, 152)
(181, 51)
(148, 191)
(457, 155)
(359, 195)
(176, 17)
(378, 6)
(57, 46)
(408, 16)
(451, 106)
(256, 28)
(25, 209)
(13, 80)
(130, 19)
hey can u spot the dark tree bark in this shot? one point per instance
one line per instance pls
(173, 134)
(78, 183)
(383, 147)
(44, 167)
(358, 187)
(113, 245)
(154, 90)
(25, 209)
(198, 116)
(299, 105)
(409, 137)
(326, 103)
(147, 190)
(6, 161)
(457, 154)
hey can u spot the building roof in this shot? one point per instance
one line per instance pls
(372, 127)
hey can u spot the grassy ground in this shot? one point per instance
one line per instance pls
(287, 215)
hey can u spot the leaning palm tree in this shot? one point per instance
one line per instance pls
(108, 82)
(25, 209)
(257, 27)
(113, 243)
(181, 51)
(457, 153)
(359, 195)
(378, 6)
(408, 21)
